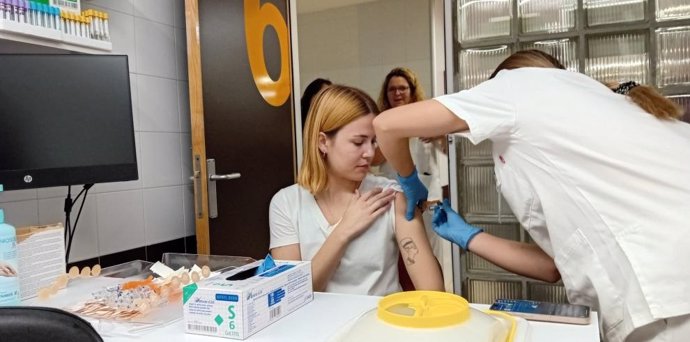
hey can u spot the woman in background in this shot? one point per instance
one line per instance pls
(347, 222)
(309, 92)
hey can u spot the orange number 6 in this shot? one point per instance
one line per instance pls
(256, 18)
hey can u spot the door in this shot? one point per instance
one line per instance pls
(240, 99)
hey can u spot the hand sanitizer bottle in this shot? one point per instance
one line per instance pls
(9, 277)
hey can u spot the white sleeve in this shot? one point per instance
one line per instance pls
(487, 109)
(283, 230)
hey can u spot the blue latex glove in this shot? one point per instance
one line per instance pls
(415, 192)
(266, 265)
(450, 226)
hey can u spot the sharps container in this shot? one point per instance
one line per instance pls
(428, 316)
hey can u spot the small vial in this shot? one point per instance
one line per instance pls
(72, 24)
(175, 282)
(6, 9)
(61, 281)
(51, 17)
(52, 289)
(41, 15)
(63, 21)
(35, 13)
(99, 25)
(73, 272)
(26, 11)
(58, 19)
(83, 27)
(96, 270)
(89, 27)
(44, 293)
(88, 14)
(46, 17)
(105, 26)
(12, 10)
(77, 23)
(22, 11)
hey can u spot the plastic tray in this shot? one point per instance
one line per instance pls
(140, 269)
(214, 262)
(130, 269)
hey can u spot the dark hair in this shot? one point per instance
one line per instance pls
(528, 58)
(312, 89)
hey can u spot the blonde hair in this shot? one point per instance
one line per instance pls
(332, 109)
(644, 96)
(416, 91)
(651, 101)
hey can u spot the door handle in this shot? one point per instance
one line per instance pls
(196, 179)
(224, 177)
(212, 178)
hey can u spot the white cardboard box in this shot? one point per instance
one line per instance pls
(237, 303)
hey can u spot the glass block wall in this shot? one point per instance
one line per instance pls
(647, 41)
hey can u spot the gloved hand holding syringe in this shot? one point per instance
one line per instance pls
(446, 222)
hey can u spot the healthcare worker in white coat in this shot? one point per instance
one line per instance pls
(598, 175)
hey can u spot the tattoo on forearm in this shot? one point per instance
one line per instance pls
(409, 249)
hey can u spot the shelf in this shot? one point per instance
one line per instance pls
(35, 35)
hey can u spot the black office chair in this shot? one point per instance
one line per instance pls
(40, 324)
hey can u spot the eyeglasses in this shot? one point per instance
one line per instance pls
(401, 89)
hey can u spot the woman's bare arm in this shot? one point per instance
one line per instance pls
(415, 248)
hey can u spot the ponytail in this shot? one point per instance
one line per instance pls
(650, 100)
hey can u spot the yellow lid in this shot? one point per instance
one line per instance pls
(423, 309)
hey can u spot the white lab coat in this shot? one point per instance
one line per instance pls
(600, 185)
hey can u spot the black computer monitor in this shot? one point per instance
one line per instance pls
(65, 119)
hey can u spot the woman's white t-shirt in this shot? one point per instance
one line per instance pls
(369, 265)
(601, 186)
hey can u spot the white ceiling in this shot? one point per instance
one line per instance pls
(309, 6)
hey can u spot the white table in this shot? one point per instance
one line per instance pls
(318, 320)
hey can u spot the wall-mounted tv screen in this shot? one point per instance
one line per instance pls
(65, 119)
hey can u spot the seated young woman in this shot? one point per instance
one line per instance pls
(349, 223)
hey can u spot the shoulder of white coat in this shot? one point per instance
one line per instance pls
(372, 181)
